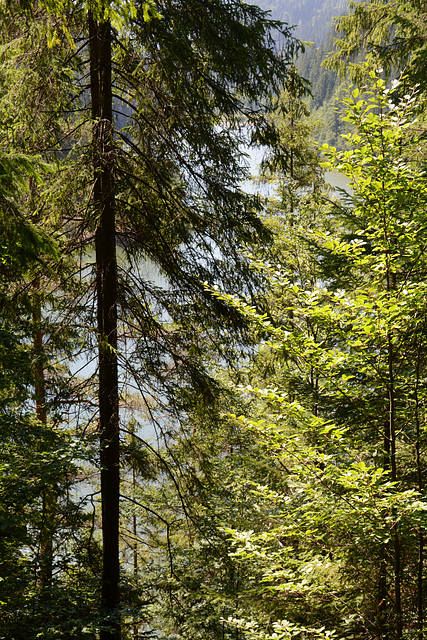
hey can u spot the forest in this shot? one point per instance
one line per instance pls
(213, 403)
(312, 19)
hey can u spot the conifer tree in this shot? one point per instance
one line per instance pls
(160, 96)
(389, 35)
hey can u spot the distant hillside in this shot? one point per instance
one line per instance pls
(313, 18)
(327, 89)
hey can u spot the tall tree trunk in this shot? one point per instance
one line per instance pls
(106, 274)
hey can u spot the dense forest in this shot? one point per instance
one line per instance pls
(312, 18)
(212, 404)
(327, 88)
(313, 25)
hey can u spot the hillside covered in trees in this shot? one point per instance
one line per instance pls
(314, 24)
(213, 404)
(312, 18)
(327, 89)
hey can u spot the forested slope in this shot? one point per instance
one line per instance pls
(327, 89)
(312, 18)
(313, 24)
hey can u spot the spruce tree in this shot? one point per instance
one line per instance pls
(390, 36)
(168, 94)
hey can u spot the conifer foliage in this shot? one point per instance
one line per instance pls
(140, 109)
(236, 444)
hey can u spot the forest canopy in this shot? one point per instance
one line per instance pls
(213, 403)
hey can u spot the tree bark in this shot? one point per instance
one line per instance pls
(106, 280)
(49, 496)
(391, 286)
(420, 563)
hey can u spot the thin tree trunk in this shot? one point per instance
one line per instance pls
(49, 496)
(391, 286)
(420, 613)
(382, 625)
(396, 540)
(382, 597)
(135, 546)
(106, 274)
(420, 603)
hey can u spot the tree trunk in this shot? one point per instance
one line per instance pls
(106, 275)
(135, 547)
(391, 286)
(420, 563)
(49, 496)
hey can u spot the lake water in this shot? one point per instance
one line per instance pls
(336, 179)
(150, 272)
(255, 156)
